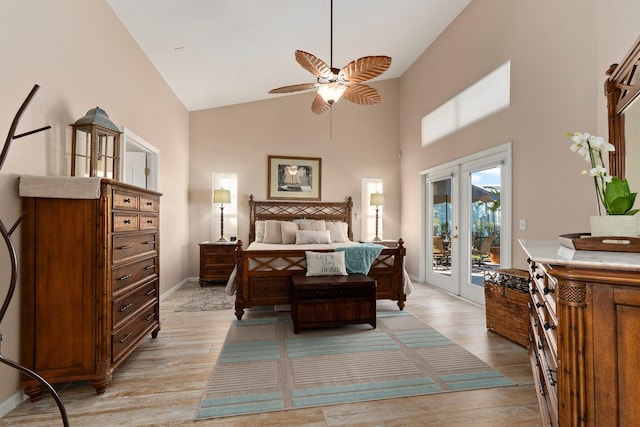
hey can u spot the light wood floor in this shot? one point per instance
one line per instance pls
(162, 383)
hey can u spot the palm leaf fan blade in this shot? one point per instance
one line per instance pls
(362, 94)
(294, 88)
(319, 105)
(313, 64)
(365, 68)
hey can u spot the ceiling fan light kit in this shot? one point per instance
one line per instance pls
(333, 83)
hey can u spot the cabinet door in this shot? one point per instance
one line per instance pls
(616, 335)
(64, 309)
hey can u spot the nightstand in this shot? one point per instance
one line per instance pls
(217, 260)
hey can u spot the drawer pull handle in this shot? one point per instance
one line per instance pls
(548, 290)
(149, 221)
(151, 292)
(539, 304)
(548, 326)
(150, 267)
(127, 200)
(150, 317)
(539, 276)
(125, 247)
(149, 203)
(150, 242)
(127, 221)
(126, 337)
(126, 307)
(126, 276)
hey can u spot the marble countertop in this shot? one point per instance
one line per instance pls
(551, 252)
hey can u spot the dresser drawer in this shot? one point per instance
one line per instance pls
(125, 276)
(128, 305)
(133, 331)
(148, 222)
(128, 246)
(125, 222)
(126, 200)
(149, 204)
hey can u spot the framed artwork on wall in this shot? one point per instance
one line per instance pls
(294, 178)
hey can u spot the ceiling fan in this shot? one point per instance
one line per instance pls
(333, 83)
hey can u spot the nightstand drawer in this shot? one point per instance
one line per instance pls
(218, 273)
(212, 259)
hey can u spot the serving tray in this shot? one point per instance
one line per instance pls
(586, 242)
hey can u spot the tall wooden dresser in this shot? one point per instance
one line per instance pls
(89, 282)
(585, 336)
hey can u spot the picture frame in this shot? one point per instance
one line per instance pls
(294, 178)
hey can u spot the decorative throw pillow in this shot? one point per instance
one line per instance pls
(338, 231)
(288, 230)
(259, 231)
(325, 264)
(272, 232)
(318, 225)
(310, 237)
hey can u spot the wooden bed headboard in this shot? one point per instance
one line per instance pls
(288, 211)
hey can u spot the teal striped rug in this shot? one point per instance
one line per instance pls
(265, 367)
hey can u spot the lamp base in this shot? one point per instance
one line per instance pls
(221, 239)
(376, 239)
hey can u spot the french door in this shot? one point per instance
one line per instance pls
(467, 222)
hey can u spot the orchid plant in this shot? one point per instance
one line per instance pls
(612, 192)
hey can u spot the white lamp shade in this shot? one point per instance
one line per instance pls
(377, 199)
(221, 196)
(331, 92)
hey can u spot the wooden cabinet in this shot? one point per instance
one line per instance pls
(217, 260)
(585, 342)
(89, 283)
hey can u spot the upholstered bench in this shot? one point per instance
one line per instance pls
(322, 301)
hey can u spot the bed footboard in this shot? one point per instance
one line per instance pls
(264, 277)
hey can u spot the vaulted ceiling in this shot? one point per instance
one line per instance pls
(214, 53)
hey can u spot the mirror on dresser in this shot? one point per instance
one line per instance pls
(622, 88)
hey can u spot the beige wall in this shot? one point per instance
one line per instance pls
(557, 74)
(353, 141)
(82, 57)
(559, 51)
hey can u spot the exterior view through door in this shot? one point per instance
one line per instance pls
(465, 223)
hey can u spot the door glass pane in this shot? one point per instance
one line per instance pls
(441, 223)
(485, 223)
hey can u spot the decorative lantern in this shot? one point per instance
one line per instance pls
(95, 146)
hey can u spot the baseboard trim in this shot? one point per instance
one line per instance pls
(12, 402)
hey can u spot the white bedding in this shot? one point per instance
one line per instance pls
(230, 289)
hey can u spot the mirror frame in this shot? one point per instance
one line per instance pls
(621, 89)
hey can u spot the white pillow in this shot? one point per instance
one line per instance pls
(288, 230)
(259, 231)
(272, 232)
(325, 264)
(310, 237)
(318, 225)
(338, 231)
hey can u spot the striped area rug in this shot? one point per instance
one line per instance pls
(265, 367)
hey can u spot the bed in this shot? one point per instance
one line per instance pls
(263, 271)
